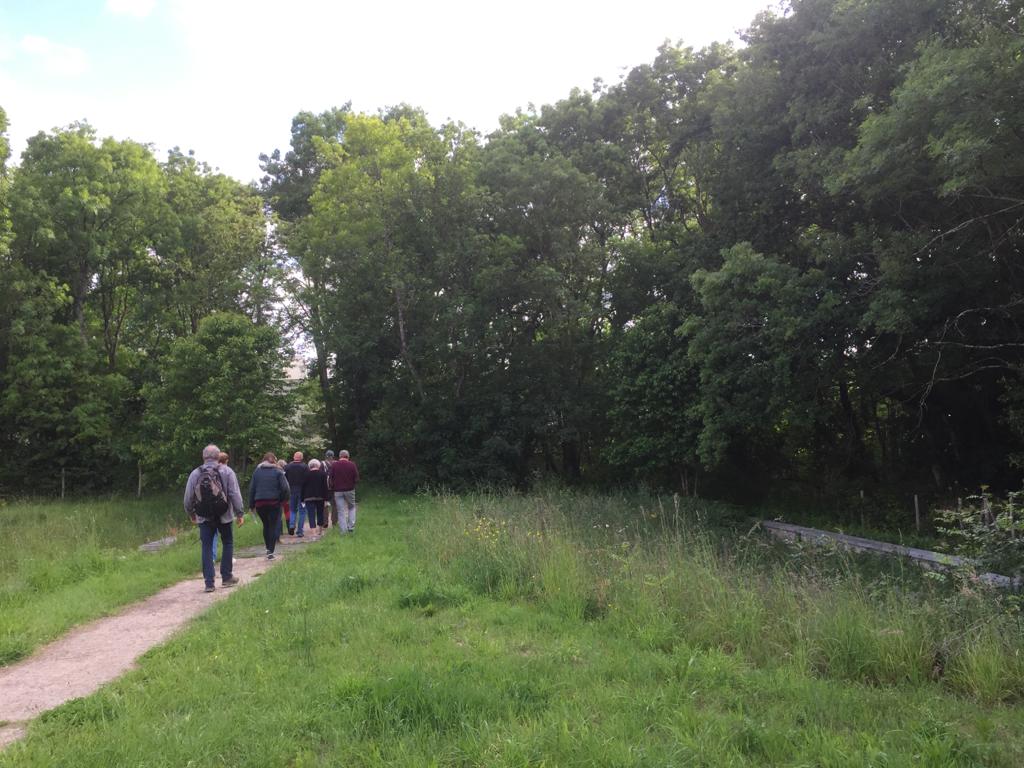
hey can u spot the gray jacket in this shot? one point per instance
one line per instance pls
(230, 480)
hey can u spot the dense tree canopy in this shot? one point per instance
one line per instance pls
(796, 262)
(114, 257)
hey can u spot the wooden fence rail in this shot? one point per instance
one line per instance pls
(923, 557)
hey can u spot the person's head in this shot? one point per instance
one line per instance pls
(211, 452)
(222, 457)
(329, 454)
(297, 456)
(343, 454)
(281, 463)
(314, 465)
(269, 457)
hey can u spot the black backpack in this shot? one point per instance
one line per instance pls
(211, 498)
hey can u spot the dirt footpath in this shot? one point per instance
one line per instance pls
(96, 653)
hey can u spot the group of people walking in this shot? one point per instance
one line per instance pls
(294, 494)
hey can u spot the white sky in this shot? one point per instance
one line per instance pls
(225, 77)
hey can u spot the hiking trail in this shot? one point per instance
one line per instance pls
(89, 656)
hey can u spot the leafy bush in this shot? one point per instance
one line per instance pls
(987, 530)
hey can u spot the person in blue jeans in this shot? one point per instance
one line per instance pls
(295, 472)
(314, 493)
(211, 488)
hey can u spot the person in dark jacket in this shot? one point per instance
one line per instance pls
(268, 489)
(344, 476)
(329, 510)
(314, 493)
(296, 472)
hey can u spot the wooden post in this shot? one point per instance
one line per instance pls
(863, 523)
(917, 514)
(62, 481)
(138, 491)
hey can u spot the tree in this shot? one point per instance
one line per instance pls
(288, 188)
(82, 212)
(215, 249)
(5, 214)
(224, 384)
(288, 183)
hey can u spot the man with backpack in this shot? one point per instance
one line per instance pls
(212, 500)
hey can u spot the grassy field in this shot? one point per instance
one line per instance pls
(63, 563)
(557, 630)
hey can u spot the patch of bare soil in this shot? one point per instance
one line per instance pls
(103, 650)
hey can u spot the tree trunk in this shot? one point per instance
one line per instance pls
(325, 391)
(855, 442)
(571, 459)
(403, 345)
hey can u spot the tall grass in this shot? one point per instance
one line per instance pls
(543, 641)
(65, 562)
(663, 575)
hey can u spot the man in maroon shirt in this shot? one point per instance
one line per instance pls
(344, 476)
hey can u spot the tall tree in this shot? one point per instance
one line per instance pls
(288, 188)
(224, 384)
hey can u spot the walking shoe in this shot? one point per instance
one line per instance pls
(270, 555)
(229, 582)
(291, 531)
(209, 588)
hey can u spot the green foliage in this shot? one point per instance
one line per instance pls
(987, 530)
(223, 385)
(795, 263)
(114, 256)
(5, 222)
(653, 390)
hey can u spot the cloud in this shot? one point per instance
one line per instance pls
(56, 58)
(140, 9)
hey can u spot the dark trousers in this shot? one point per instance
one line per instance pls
(271, 519)
(227, 536)
(315, 509)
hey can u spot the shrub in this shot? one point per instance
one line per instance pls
(988, 531)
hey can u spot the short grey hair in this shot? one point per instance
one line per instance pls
(343, 454)
(211, 452)
(314, 465)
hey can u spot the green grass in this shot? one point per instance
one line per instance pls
(504, 631)
(63, 563)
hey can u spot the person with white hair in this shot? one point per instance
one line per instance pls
(314, 493)
(212, 500)
(296, 471)
(344, 476)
